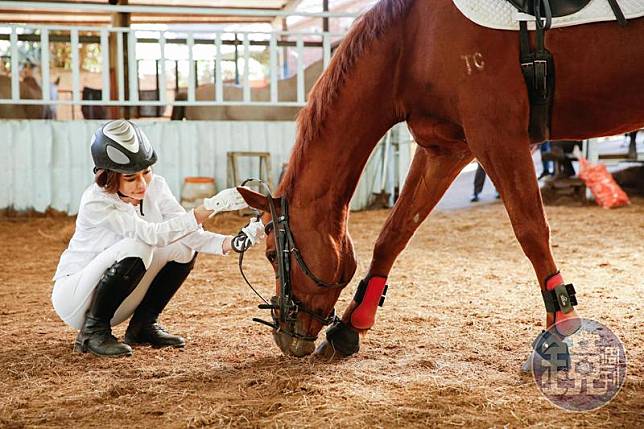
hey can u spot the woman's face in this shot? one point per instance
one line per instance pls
(135, 185)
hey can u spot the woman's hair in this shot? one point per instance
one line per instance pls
(108, 180)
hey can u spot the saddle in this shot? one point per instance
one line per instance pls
(537, 64)
(558, 8)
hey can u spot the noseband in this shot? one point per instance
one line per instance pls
(286, 303)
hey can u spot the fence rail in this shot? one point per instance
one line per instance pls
(128, 44)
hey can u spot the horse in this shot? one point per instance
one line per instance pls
(287, 91)
(29, 89)
(405, 60)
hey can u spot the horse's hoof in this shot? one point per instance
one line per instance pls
(325, 351)
(341, 341)
(549, 353)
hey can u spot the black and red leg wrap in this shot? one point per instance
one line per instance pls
(369, 296)
(558, 296)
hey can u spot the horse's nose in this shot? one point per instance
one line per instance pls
(293, 346)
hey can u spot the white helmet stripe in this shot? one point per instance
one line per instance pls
(122, 132)
(117, 156)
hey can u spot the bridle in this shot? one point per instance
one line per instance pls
(286, 303)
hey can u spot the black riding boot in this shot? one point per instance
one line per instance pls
(143, 327)
(115, 285)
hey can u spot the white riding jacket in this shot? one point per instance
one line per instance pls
(104, 219)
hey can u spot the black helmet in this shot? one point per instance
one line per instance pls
(121, 146)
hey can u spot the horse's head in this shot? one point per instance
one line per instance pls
(313, 260)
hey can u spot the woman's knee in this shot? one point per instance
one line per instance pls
(185, 256)
(137, 249)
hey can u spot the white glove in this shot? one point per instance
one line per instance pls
(254, 231)
(226, 200)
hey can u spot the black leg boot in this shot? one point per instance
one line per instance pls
(115, 285)
(143, 327)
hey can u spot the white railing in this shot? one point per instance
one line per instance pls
(276, 40)
(126, 71)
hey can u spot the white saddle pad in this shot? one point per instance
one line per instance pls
(501, 15)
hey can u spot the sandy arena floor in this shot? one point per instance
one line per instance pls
(462, 310)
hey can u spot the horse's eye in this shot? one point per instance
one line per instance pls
(271, 256)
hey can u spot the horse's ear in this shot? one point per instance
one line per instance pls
(255, 199)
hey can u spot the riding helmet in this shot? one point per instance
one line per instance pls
(123, 147)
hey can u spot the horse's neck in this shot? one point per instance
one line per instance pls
(364, 109)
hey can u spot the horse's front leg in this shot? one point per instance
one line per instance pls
(435, 165)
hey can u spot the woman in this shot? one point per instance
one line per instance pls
(133, 246)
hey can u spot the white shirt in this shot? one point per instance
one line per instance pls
(104, 219)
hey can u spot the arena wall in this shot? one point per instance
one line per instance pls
(47, 164)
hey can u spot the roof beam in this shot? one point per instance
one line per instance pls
(169, 10)
(290, 5)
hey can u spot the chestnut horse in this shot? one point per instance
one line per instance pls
(404, 61)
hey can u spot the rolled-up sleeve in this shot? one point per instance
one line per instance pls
(103, 214)
(199, 240)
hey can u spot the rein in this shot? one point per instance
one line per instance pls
(286, 303)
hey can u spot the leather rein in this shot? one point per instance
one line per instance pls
(285, 307)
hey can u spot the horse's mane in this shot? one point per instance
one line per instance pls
(310, 120)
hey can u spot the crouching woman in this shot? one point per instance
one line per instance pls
(133, 246)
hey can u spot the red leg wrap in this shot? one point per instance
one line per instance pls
(364, 315)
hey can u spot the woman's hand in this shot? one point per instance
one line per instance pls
(202, 214)
(254, 231)
(227, 246)
(249, 236)
(226, 200)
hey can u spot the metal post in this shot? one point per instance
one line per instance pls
(326, 47)
(246, 88)
(191, 68)
(219, 83)
(236, 60)
(161, 82)
(176, 76)
(325, 20)
(105, 55)
(120, 69)
(133, 64)
(15, 66)
(44, 63)
(273, 56)
(300, 69)
(75, 67)
(285, 51)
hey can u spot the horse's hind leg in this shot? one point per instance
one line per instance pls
(508, 161)
(434, 167)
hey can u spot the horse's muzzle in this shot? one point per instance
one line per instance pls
(291, 346)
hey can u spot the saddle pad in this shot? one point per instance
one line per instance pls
(501, 15)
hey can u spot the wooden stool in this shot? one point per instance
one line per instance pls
(265, 173)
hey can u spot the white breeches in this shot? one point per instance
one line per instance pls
(73, 294)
